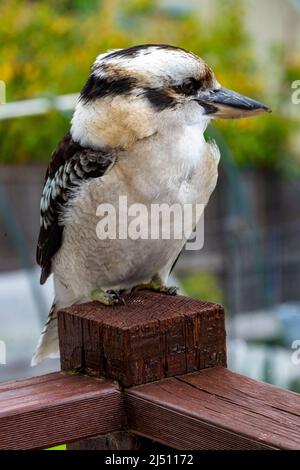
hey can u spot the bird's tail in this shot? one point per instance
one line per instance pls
(48, 341)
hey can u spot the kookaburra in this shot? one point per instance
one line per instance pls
(137, 131)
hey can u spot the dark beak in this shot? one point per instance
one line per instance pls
(227, 104)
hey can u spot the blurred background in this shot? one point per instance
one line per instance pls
(251, 257)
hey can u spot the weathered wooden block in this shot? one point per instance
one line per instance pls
(152, 337)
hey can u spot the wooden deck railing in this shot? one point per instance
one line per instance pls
(153, 370)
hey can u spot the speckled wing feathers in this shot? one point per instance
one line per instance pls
(70, 165)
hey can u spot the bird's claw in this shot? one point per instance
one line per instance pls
(116, 296)
(110, 297)
(172, 290)
(156, 285)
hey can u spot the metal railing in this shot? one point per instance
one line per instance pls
(38, 106)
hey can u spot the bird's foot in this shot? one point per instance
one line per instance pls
(157, 285)
(109, 297)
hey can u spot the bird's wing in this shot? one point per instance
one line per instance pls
(70, 165)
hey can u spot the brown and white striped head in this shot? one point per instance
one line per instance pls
(134, 93)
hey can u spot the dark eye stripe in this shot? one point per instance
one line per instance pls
(97, 87)
(159, 99)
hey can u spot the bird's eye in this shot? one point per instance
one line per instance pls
(189, 86)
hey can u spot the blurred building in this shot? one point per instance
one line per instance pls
(268, 21)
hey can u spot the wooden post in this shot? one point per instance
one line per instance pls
(152, 337)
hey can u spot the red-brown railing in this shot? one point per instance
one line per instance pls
(153, 370)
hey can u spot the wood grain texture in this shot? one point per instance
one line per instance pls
(153, 336)
(56, 408)
(215, 409)
(119, 440)
(122, 440)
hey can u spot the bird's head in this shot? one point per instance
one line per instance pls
(134, 93)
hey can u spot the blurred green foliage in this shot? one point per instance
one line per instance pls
(203, 286)
(61, 447)
(48, 48)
